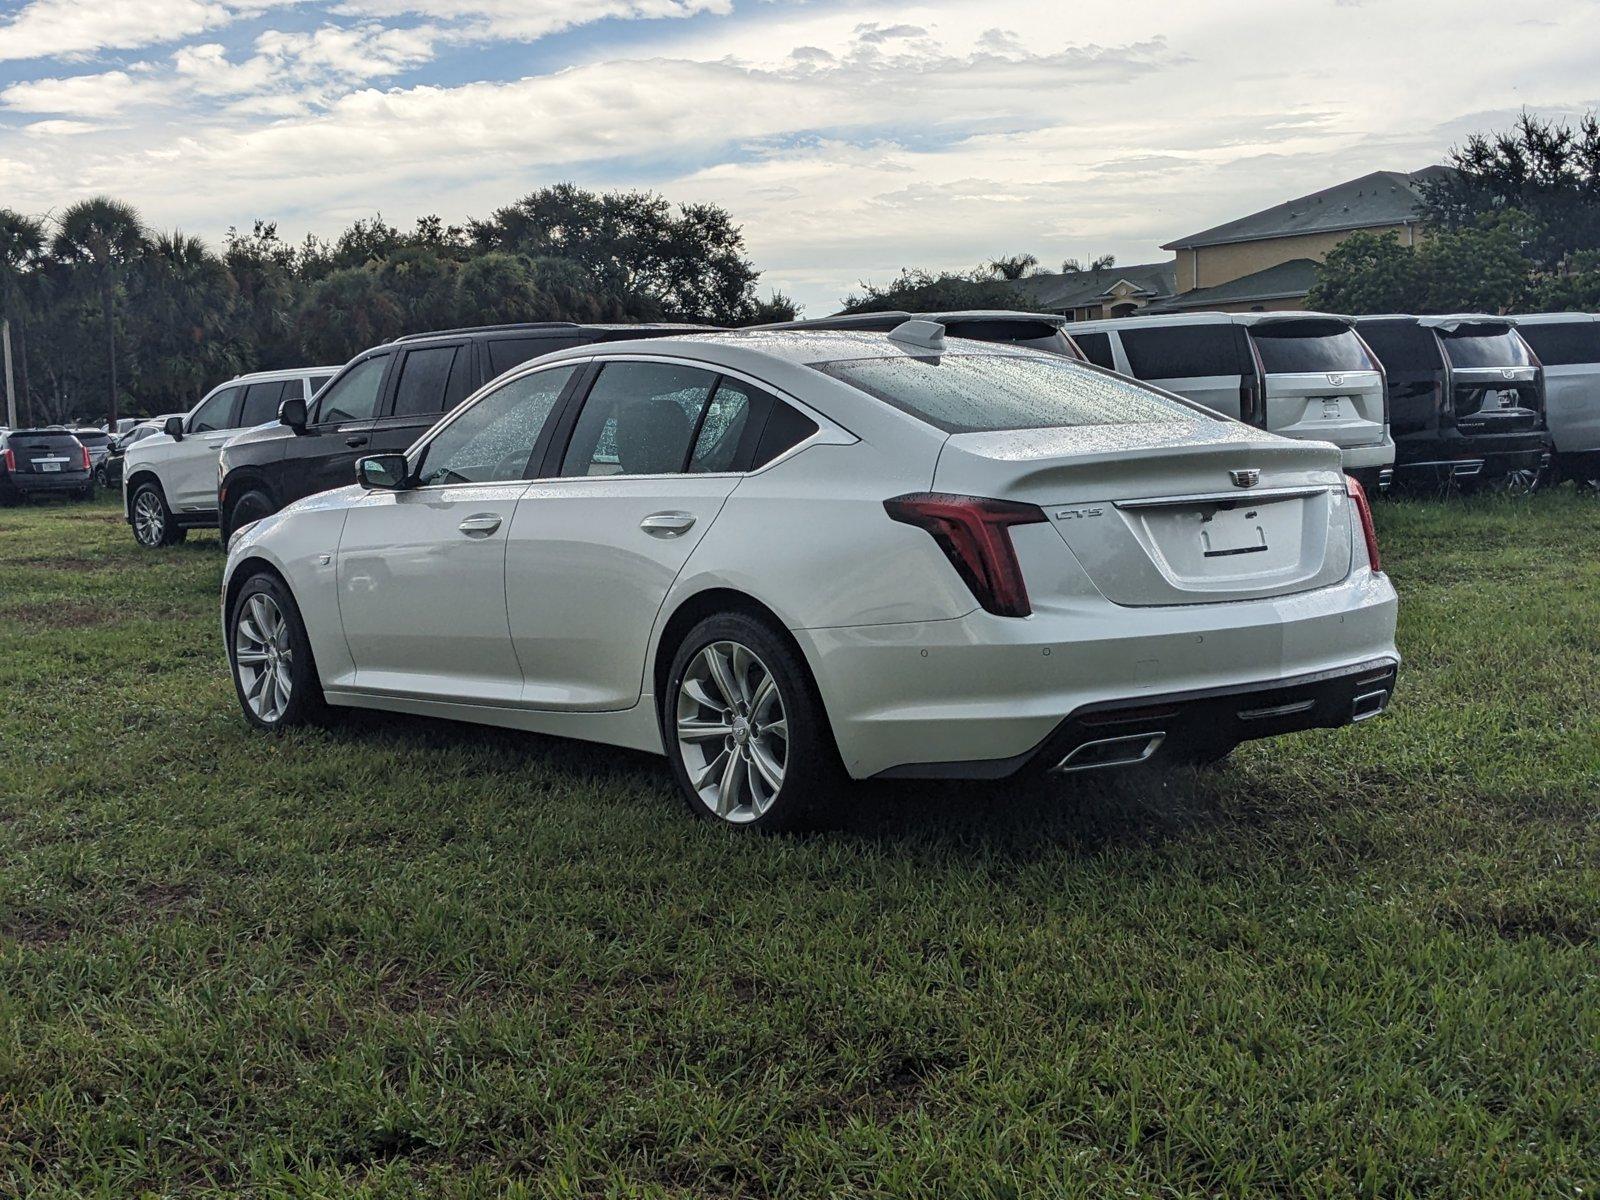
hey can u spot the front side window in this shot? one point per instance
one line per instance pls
(261, 401)
(493, 441)
(354, 396)
(216, 413)
(981, 393)
(1485, 346)
(640, 419)
(1309, 347)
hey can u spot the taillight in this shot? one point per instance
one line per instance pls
(85, 450)
(1358, 497)
(10, 457)
(974, 533)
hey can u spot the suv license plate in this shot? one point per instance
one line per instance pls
(48, 466)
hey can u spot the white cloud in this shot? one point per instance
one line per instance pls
(102, 95)
(60, 28)
(530, 19)
(54, 128)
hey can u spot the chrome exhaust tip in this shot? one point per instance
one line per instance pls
(1466, 470)
(1368, 705)
(1122, 751)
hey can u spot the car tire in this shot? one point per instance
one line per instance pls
(279, 689)
(153, 523)
(102, 476)
(251, 506)
(745, 730)
(86, 493)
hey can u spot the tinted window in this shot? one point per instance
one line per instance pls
(1500, 348)
(318, 382)
(723, 426)
(639, 419)
(1290, 346)
(354, 396)
(1184, 351)
(92, 437)
(1096, 348)
(785, 429)
(261, 401)
(971, 393)
(1402, 345)
(494, 439)
(1564, 343)
(505, 353)
(424, 381)
(215, 413)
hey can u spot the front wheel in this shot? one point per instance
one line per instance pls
(153, 523)
(250, 507)
(274, 675)
(745, 730)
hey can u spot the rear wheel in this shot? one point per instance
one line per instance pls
(745, 730)
(153, 524)
(1521, 482)
(274, 675)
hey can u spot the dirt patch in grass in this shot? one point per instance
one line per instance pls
(68, 614)
(30, 929)
(1555, 917)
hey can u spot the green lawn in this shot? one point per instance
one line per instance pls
(405, 957)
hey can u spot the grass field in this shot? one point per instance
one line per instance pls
(405, 957)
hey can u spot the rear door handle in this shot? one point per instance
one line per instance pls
(667, 524)
(355, 441)
(481, 525)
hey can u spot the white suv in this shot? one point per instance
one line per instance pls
(169, 481)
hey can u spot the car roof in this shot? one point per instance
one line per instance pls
(803, 347)
(1155, 320)
(551, 327)
(1554, 318)
(1446, 322)
(890, 318)
(281, 373)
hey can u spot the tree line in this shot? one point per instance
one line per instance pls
(110, 318)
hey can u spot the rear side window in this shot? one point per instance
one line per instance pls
(216, 413)
(1490, 348)
(425, 377)
(723, 427)
(1289, 346)
(318, 382)
(1185, 351)
(977, 393)
(785, 429)
(1402, 345)
(505, 353)
(640, 419)
(1565, 343)
(1096, 348)
(91, 437)
(261, 401)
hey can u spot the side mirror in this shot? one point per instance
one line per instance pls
(386, 471)
(173, 428)
(292, 412)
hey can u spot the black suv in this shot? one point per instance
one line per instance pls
(382, 401)
(43, 462)
(1041, 331)
(1466, 400)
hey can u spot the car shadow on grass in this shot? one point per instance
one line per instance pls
(1017, 818)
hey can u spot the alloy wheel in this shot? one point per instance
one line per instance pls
(1520, 483)
(149, 518)
(262, 657)
(733, 731)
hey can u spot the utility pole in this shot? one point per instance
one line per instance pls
(11, 389)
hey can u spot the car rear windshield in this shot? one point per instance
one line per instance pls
(1292, 346)
(1485, 347)
(981, 393)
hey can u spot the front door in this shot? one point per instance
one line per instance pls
(189, 471)
(338, 432)
(593, 553)
(422, 571)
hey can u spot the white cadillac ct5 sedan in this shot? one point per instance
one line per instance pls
(790, 559)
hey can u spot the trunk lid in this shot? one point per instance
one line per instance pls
(1342, 407)
(1491, 400)
(46, 453)
(1154, 515)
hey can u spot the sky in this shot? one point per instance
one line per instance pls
(848, 138)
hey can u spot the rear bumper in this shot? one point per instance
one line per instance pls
(1438, 459)
(980, 695)
(1373, 457)
(66, 483)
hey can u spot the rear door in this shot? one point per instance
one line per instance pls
(649, 462)
(1414, 367)
(428, 381)
(1570, 353)
(338, 431)
(1320, 382)
(1494, 382)
(188, 469)
(1210, 364)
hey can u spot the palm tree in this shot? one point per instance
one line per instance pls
(21, 244)
(182, 302)
(104, 234)
(1014, 267)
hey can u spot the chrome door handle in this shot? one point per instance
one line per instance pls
(481, 525)
(667, 524)
(355, 441)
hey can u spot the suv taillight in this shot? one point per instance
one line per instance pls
(85, 450)
(10, 459)
(1358, 497)
(975, 534)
